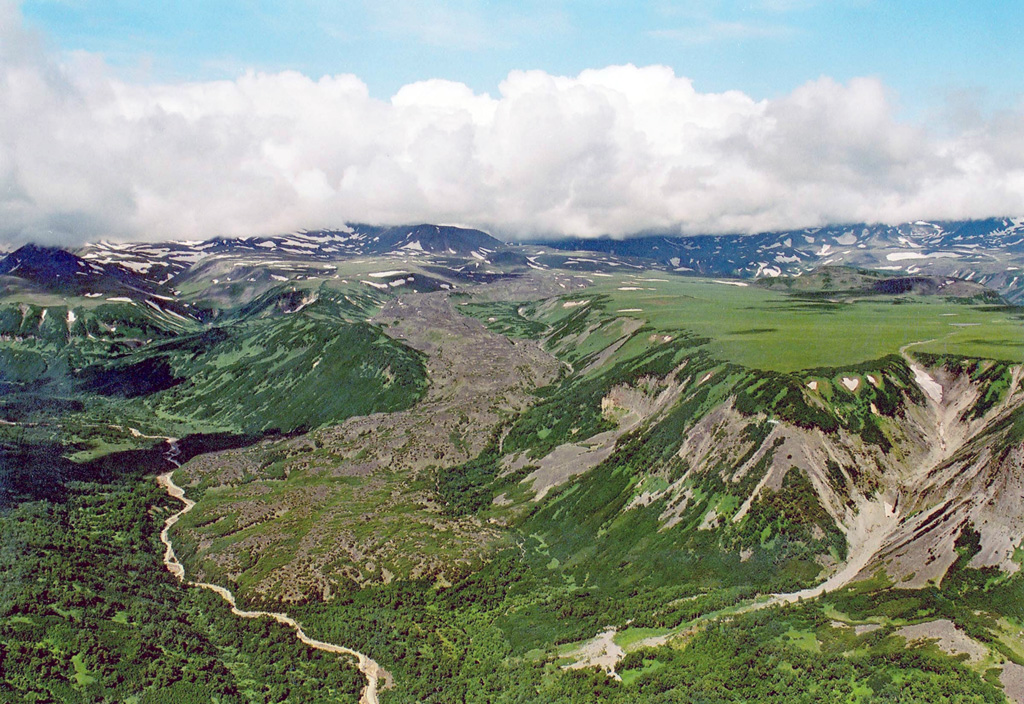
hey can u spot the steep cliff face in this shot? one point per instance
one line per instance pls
(972, 480)
(901, 485)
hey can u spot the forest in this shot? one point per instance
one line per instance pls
(88, 613)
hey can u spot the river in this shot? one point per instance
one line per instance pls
(370, 669)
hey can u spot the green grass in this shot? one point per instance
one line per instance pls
(288, 373)
(631, 676)
(804, 640)
(771, 330)
(82, 676)
(629, 637)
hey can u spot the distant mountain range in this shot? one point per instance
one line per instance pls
(162, 261)
(986, 252)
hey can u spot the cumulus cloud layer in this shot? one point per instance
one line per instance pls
(86, 154)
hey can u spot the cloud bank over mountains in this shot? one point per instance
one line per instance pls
(86, 153)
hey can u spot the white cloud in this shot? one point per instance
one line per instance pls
(85, 154)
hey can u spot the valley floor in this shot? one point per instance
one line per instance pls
(370, 669)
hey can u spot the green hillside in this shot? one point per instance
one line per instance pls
(550, 486)
(640, 536)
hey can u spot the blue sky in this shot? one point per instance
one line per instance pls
(925, 52)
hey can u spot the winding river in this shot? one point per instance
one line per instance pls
(367, 666)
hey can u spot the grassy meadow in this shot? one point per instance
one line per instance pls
(769, 330)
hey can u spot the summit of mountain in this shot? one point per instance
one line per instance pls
(60, 271)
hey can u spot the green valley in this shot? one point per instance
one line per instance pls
(505, 477)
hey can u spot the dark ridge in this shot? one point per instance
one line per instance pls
(436, 239)
(907, 284)
(467, 275)
(509, 258)
(61, 272)
(64, 272)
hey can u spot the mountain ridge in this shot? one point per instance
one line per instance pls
(989, 252)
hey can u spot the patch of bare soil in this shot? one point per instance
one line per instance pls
(1012, 678)
(628, 406)
(947, 637)
(601, 651)
(570, 460)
